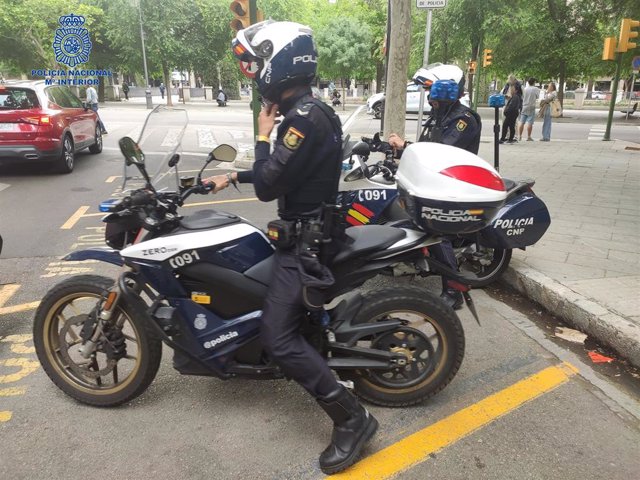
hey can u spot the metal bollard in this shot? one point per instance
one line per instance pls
(496, 101)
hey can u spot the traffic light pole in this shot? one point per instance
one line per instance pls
(614, 94)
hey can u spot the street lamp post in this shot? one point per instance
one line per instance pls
(147, 89)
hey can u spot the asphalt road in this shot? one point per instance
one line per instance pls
(524, 405)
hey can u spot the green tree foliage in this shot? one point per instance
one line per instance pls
(344, 49)
(27, 29)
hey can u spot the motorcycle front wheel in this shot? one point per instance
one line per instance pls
(432, 340)
(486, 264)
(127, 354)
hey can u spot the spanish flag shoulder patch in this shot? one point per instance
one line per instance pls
(293, 138)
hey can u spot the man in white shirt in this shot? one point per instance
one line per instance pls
(529, 99)
(92, 102)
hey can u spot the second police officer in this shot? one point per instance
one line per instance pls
(450, 123)
(302, 173)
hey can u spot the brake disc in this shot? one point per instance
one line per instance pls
(83, 368)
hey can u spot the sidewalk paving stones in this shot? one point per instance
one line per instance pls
(586, 269)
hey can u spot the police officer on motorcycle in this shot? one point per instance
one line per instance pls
(302, 173)
(450, 123)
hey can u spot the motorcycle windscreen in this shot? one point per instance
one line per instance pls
(521, 222)
(159, 139)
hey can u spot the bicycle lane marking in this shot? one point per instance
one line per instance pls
(6, 292)
(24, 366)
(416, 448)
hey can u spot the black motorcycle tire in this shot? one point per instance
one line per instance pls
(149, 346)
(379, 304)
(491, 273)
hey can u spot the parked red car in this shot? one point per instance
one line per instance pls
(47, 123)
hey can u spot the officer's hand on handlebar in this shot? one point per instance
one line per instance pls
(217, 182)
(395, 141)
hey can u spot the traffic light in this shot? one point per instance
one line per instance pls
(472, 66)
(487, 57)
(608, 53)
(240, 9)
(627, 34)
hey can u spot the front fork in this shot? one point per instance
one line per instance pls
(104, 315)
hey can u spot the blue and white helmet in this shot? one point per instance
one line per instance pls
(439, 71)
(284, 52)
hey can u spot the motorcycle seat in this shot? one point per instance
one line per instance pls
(204, 219)
(368, 238)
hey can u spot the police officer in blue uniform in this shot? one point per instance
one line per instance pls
(301, 172)
(450, 123)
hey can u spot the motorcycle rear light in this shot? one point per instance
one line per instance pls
(476, 176)
(42, 120)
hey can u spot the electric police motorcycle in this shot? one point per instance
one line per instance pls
(483, 255)
(197, 283)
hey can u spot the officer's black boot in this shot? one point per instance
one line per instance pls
(353, 426)
(451, 296)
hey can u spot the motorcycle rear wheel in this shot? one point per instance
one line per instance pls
(433, 342)
(128, 354)
(486, 264)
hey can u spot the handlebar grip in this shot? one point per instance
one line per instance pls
(140, 198)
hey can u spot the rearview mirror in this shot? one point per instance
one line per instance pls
(361, 148)
(132, 153)
(223, 153)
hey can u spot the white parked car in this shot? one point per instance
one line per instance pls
(375, 103)
(596, 95)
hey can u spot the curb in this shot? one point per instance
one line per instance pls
(578, 311)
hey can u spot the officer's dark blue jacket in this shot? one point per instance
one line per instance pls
(461, 128)
(303, 170)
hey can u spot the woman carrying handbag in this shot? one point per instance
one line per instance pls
(550, 96)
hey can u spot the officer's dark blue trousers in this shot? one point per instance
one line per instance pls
(443, 252)
(283, 313)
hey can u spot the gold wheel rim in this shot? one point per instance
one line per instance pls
(50, 337)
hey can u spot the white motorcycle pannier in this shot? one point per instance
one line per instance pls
(448, 190)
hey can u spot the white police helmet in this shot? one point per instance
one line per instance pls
(439, 71)
(284, 52)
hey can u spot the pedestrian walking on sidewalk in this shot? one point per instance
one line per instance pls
(529, 99)
(162, 89)
(511, 112)
(92, 102)
(125, 90)
(545, 111)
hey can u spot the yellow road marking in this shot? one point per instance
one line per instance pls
(18, 344)
(25, 365)
(19, 308)
(12, 392)
(416, 448)
(221, 201)
(73, 219)
(5, 416)
(7, 291)
(112, 179)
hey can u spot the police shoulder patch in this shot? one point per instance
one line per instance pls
(293, 138)
(461, 125)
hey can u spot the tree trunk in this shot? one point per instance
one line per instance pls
(379, 76)
(167, 83)
(563, 70)
(398, 64)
